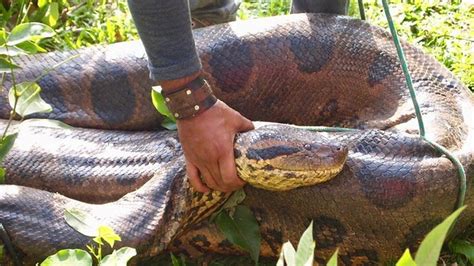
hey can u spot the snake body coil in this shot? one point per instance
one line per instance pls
(301, 69)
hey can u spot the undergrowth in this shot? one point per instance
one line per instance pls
(444, 30)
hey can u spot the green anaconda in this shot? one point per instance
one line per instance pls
(302, 69)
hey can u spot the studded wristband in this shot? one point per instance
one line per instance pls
(190, 100)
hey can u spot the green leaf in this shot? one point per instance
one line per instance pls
(428, 252)
(159, 103)
(235, 199)
(3, 172)
(463, 247)
(119, 257)
(305, 250)
(31, 31)
(333, 260)
(6, 144)
(52, 14)
(176, 262)
(29, 101)
(76, 257)
(30, 47)
(169, 124)
(281, 259)
(406, 259)
(11, 51)
(110, 27)
(40, 122)
(82, 222)
(3, 37)
(108, 235)
(98, 240)
(42, 3)
(289, 254)
(241, 230)
(5, 66)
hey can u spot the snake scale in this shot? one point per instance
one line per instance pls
(311, 69)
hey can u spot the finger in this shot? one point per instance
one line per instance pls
(208, 178)
(245, 125)
(217, 177)
(229, 172)
(193, 175)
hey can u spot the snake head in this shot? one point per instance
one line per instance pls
(279, 157)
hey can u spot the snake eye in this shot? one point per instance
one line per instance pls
(307, 146)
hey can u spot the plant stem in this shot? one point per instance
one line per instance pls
(12, 113)
(3, 79)
(26, 13)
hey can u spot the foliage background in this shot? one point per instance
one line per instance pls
(444, 29)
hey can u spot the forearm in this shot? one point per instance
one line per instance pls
(164, 27)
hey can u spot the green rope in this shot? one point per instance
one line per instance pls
(361, 9)
(403, 62)
(459, 168)
(452, 158)
(326, 129)
(9, 246)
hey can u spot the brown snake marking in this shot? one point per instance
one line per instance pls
(302, 69)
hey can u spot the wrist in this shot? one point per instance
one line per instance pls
(187, 97)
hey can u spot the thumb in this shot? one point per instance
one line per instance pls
(245, 125)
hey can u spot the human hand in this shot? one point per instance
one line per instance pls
(208, 145)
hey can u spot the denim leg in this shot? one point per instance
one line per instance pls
(208, 12)
(320, 6)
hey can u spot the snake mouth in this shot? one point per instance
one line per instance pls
(281, 158)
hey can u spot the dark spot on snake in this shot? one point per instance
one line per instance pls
(177, 243)
(417, 232)
(313, 50)
(328, 232)
(360, 257)
(267, 136)
(251, 167)
(209, 196)
(115, 102)
(382, 66)
(198, 195)
(270, 152)
(237, 153)
(290, 175)
(320, 261)
(388, 185)
(226, 245)
(200, 243)
(228, 56)
(274, 239)
(268, 167)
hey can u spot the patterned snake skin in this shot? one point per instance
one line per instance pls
(301, 69)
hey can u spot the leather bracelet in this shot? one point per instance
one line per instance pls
(190, 100)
